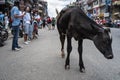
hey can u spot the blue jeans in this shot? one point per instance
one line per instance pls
(15, 37)
(30, 31)
(28, 28)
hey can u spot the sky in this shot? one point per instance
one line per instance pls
(56, 4)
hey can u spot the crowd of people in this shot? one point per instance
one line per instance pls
(116, 23)
(4, 20)
(25, 22)
(108, 22)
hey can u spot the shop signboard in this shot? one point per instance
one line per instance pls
(106, 14)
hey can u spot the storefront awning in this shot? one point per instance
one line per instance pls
(117, 13)
(116, 3)
(40, 5)
(40, 11)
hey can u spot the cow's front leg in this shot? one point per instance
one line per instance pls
(69, 49)
(80, 49)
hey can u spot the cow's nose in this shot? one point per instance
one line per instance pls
(110, 57)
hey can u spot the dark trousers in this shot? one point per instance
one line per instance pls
(15, 37)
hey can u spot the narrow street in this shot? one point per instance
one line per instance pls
(41, 60)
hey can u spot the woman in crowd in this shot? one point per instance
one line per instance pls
(36, 19)
(49, 22)
(27, 25)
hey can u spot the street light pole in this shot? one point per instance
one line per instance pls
(108, 10)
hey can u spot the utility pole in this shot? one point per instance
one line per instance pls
(108, 10)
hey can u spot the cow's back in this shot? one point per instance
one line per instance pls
(75, 20)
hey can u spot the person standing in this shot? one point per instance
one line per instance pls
(49, 22)
(53, 23)
(37, 17)
(35, 24)
(16, 17)
(2, 18)
(44, 23)
(27, 25)
(6, 21)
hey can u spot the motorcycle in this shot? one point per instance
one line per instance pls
(3, 35)
(1, 40)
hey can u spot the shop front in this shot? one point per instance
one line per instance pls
(5, 5)
(116, 10)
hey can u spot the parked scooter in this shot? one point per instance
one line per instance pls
(1, 40)
(3, 35)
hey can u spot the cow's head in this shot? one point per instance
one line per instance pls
(103, 42)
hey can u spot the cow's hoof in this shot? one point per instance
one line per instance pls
(67, 67)
(63, 55)
(82, 70)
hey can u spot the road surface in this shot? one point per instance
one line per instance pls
(41, 60)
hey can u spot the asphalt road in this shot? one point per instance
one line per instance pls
(41, 60)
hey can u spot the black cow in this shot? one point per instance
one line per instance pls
(73, 22)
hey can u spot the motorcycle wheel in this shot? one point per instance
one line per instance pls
(5, 36)
(1, 42)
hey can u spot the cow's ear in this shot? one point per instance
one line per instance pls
(97, 28)
(107, 29)
(98, 36)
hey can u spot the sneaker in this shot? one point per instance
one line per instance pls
(16, 49)
(19, 47)
(26, 43)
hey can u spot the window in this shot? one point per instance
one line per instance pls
(96, 2)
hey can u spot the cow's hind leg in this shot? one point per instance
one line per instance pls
(62, 39)
(80, 49)
(69, 49)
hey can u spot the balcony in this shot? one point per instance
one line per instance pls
(102, 4)
(90, 1)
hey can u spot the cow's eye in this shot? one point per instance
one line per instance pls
(105, 42)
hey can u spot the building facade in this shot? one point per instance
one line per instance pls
(40, 6)
(5, 5)
(116, 9)
(35, 5)
(97, 8)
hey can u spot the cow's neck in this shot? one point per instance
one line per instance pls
(92, 33)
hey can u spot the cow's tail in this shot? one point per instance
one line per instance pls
(56, 11)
